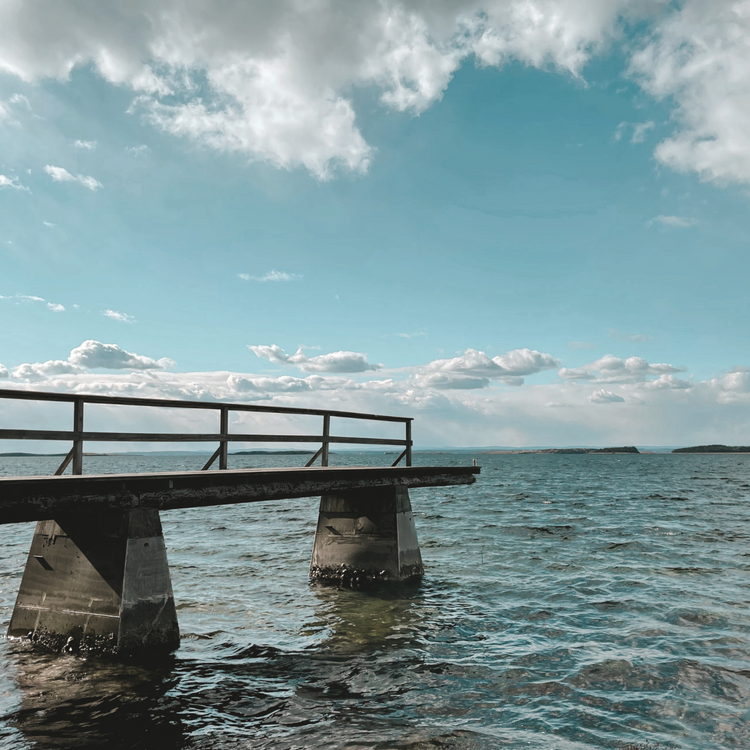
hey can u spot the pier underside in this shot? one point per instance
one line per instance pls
(97, 576)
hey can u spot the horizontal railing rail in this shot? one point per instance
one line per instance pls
(78, 435)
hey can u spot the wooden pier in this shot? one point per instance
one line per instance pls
(97, 576)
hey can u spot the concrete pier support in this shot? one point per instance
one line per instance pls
(98, 583)
(366, 536)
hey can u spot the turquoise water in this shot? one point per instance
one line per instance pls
(569, 602)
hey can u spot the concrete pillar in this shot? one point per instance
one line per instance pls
(366, 536)
(98, 583)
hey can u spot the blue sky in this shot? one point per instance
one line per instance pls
(523, 223)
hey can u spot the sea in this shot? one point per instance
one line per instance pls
(570, 602)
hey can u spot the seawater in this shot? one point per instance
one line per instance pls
(570, 602)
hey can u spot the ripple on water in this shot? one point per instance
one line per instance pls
(570, 603)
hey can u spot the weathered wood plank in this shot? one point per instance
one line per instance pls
(39, 498)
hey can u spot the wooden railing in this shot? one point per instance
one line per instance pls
(78, 435)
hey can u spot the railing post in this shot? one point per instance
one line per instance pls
(224, 430)
(408, 442)
(78, 444)
(326, 435)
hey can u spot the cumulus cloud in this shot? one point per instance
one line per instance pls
(699, 57)
(274, 81)
(44, 370)
(59, 174)
(86, 145)
(605, 397)
(93, 354)
(661, 409)
(270, 276)
(611, 369)
(680, 222)
(4, 372)
(333, 362)
(90, 355)
(733, 387)
(262, 386)
(122, 317)
(474, 369)
(667, 382)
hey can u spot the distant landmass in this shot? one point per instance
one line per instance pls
(714, 449)
(25, 455)
(575, 451)
(272, 453)
(47, 455)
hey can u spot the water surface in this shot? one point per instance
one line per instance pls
(570, 602)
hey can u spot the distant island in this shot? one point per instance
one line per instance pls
(714, 449)
(272, 453)
(25, 455)
(575, 451)
(18, 454)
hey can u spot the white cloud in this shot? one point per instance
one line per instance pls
(43, 370)
(90, 355)
(699, 58)
(673, 221)
(263, 386)
(639, 131)
(611, 369)
(59, 174)
(49, 224)
(333, 362)
(270, 276)
(660, 411)
(141, 150)
(410, 335)
(666, 381)
(122, 317)
(12, 182)
(86, 145)
(93, 354)
(30, 298)
(605, 397)
(4, 372)
(575, 373)
(6, 108)
(474, 369)
(274, 81)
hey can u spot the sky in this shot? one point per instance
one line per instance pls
(521, 222)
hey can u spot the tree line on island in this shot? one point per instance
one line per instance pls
(714, 449)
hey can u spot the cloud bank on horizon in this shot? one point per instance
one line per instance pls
(484, 399)
(274, 81)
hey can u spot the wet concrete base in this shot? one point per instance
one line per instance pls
(366, 537)
(98, 584)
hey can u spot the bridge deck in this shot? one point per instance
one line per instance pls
(39, 498)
